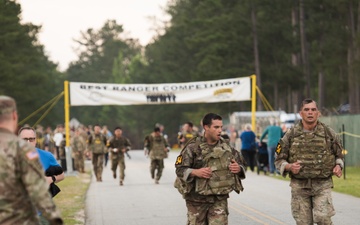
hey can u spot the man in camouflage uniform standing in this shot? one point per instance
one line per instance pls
(118, 145)
(97, 145)
(207, 170)
(157, 147)
(23, 187)
(310, 153)
(78, 146)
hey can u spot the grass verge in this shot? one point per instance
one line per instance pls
(350, 185)
(71, 199)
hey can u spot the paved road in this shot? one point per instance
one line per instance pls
(140, 201)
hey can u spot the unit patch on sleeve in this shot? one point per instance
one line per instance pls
(178, 160)
(278, 148)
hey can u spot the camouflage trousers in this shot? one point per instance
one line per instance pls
(98, 161)
(118, 160)
(156, 164)
(311, 206)
(207, 213)
(79, 160)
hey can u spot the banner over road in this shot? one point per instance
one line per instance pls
(226, 90)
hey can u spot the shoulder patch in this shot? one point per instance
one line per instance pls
(178, 160)
(278, 148)
(32, 155)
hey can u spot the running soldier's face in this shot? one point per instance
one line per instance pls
(213, 132)
(97, 129)
(309, 113)
(118, 132)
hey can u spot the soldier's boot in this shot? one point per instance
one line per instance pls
(121, 182)
(98, 177)
(156, 180)
(114, 174)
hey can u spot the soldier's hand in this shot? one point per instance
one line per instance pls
(337, 171)
(295, 167)
(202, 172)
(234, 167)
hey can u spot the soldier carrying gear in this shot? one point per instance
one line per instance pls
(118, 146)
(207, 170)
(186, 134)
(157, 148)
(310, 153)
(97, 145)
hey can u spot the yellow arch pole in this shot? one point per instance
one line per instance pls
(253, 102)
(67, 112)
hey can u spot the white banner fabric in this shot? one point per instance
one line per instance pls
(227, 90)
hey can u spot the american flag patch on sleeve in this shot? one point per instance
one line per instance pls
(32, 155)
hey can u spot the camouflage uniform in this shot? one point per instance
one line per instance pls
(187, 136)
(206, 205)
(158, 148)
(319, 151)
(23, 188)
(97, 145)
(78, 146)
(118, 157)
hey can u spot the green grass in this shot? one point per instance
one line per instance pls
(71, 200)
(350, 185)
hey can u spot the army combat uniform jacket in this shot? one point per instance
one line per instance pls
(22, 184)
(319, 151)
(198, 154)
(119, 144)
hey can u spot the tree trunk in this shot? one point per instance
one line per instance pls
(321, 102)
(351, 59)
(295, 60)
(304, 51)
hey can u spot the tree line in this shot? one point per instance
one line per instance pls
(297, 49)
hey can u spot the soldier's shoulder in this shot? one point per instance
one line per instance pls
(193, 143)
(328, 128)
(10, 142)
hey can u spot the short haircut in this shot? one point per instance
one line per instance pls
(117, 128)
(307, 101)
(26, 128)
(190, 124)
(248, 126)
(208, 118)
(156, 129)
(7, 106)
